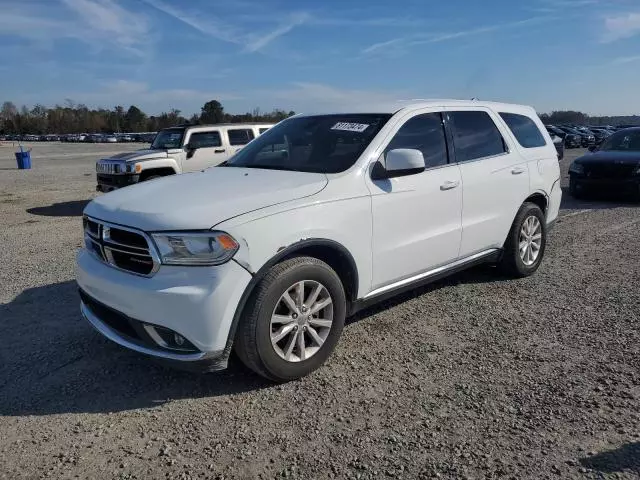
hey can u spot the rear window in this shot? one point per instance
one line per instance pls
(240, 136)
(475, 136)
(524, 129)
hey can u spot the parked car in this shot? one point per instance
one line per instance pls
(186, 148)
(601, 134)
(110, 139)
(586, 139)
(316, 218)
(570, 140)
(614, 166)
(559, 144)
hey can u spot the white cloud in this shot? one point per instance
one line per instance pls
(110, 20)
(421, 39)
(309, 97)
(261, 42)
(225, 30)
(621, 26)
(624, 60)
(129, 92)
(97, 23)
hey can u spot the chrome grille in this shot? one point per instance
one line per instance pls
(121, 247)
(109, 168)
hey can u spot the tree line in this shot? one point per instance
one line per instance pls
(571, 117)
(78, 118)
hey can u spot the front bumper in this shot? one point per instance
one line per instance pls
(106, 183)
(617, 186)
(198, 303)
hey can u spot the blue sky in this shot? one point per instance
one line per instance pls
(318, 55)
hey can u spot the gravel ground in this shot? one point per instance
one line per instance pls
(473, 377)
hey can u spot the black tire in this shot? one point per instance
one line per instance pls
(511, 262)
(253, 339)
(573, 191)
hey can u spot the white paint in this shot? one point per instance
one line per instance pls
(394, 229)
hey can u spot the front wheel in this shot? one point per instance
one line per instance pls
(525, 245)
(293, 320)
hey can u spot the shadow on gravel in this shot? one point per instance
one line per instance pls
(595, 202)
(52, 362)
(626, 457)
(63, 209)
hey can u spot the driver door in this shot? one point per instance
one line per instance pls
(417, 223)
(204, 149)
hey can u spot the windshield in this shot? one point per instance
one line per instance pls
(168, 138)
(321, 144)
(623, 141)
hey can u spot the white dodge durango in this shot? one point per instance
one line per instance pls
(321, 215)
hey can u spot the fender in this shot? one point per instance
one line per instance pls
(160, 163)
(281, 255)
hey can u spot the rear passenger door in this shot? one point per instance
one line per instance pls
(495, 178)
(238, 138)
(204, 149)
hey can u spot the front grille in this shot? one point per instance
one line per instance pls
(109, 168)
(120, 247)
(609, 170)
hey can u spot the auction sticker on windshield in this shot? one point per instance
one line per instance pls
(350, 127)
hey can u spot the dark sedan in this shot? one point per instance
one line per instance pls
(586, 139)
(613, 167)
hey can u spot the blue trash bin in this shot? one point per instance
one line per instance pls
(24, 160)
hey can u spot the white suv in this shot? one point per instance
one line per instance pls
(319, 216)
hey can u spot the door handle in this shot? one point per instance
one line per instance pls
(517, 171)
(219, 150)
(449, 185)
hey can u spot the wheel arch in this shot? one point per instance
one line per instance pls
(331, 252)
(162, 171)
(539, 199)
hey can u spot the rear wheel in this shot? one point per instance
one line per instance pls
(525, 245)
(293, 320)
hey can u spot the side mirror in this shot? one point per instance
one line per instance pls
(593, 148)
(399, 163)
(190, 149)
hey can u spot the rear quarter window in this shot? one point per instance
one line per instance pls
(524, 129)
(240, 136)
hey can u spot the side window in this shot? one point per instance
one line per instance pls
(524, 129)
(475, 136)
(205, 139)
(240, 136)
(262, 130)
(425, 133)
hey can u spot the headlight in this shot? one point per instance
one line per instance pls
(202, 248)
(132, 168)
(576, 168)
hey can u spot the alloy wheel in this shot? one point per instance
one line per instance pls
(530, 240)
(301, 321)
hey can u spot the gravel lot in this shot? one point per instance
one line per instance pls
(473, 377)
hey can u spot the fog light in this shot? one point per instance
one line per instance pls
(179, 339)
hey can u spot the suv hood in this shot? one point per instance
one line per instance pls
(610, 156)
(138, 155)
(199, 201)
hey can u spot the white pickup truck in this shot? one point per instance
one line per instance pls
(180, 149)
